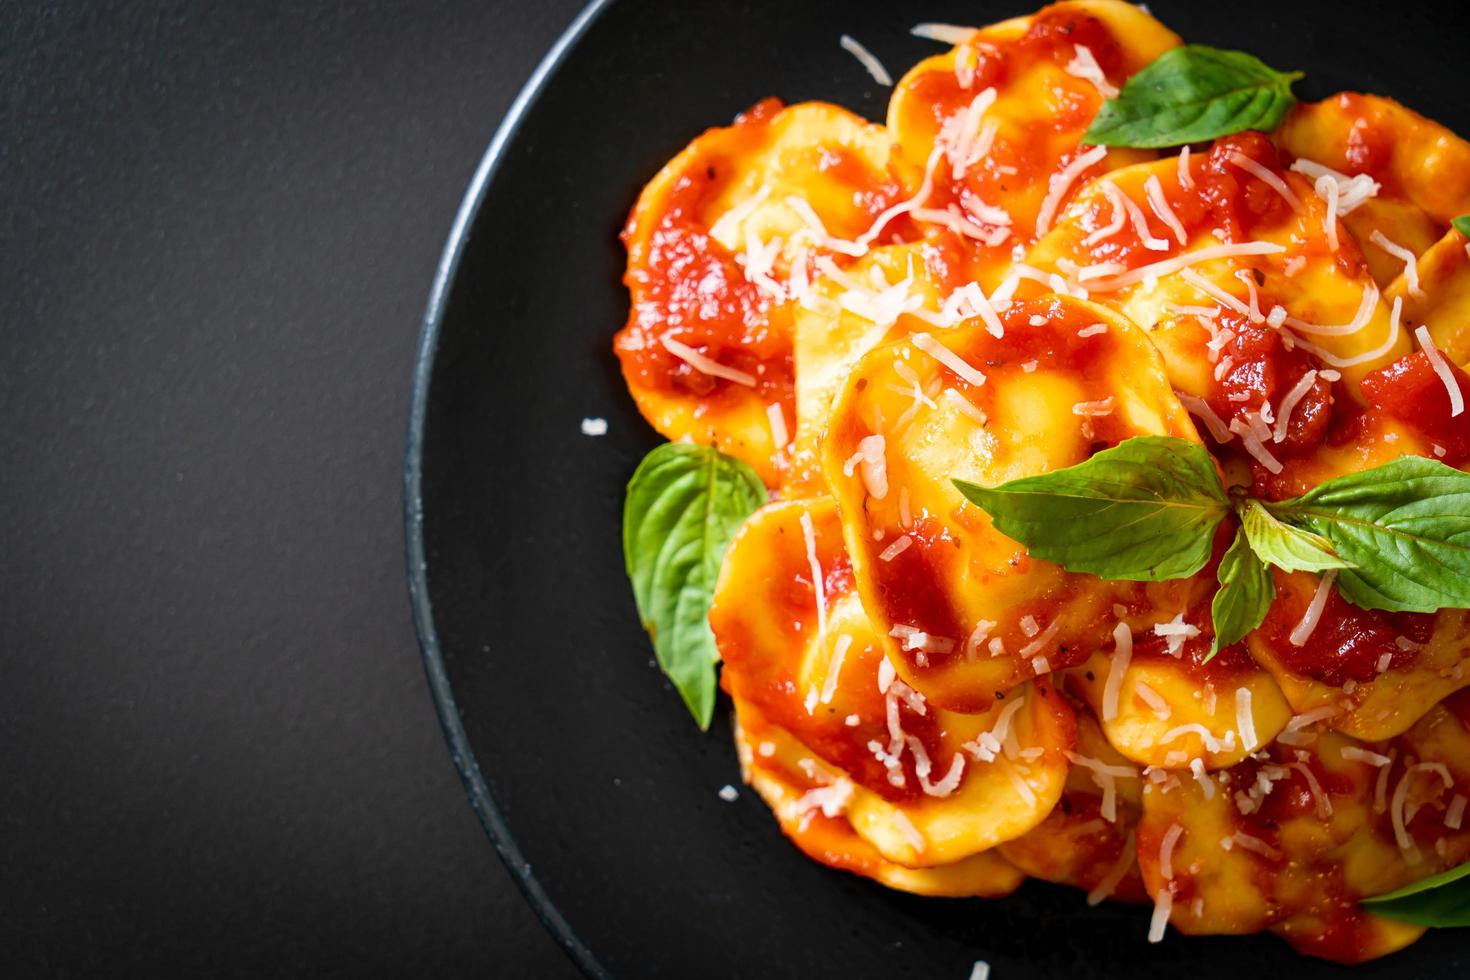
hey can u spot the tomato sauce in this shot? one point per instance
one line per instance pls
(1348, 643)
(1411, 391)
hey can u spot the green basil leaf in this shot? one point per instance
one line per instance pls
(1246, 592)
(1194, 93)
(1144, 510)
(1439, 900)
(684, 504)
(1404, 526)
(1278, 543)
(1462, 224)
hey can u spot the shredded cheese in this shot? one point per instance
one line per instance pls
(1166, 850)
(1115, 874)
(706, 365)
(834, 667)
(897, 548)
(1404, 255)
(1375, 353)
(873, 467)
(948, 358)
(964, 406)
(1201, 409)
(1117, 667)
(871, 63)
(1454, 815)
(1084, 66)
(819, 586)
(944, 33)
(1164, 267)
(1289, 403)
(1135, 215)
(1441, 368)
(1253, 442)
(1159, 204)
(1352, 192)
(1304, 629)
(1153, 699)
(1061, 182)
(1163, 908)
(1266, 177)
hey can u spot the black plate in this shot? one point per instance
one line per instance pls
(590, 777)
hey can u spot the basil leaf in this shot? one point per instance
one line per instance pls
(1278, 543)
(1462, 224)
(1439, 900)
(684, 504)
(1246, 592)
(1404, 526)
(1144, 510)
(1193, 93)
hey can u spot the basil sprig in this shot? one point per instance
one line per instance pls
(1439, 900)
(1193, 93)
(684, 504)
(1245, 595)
(1462, 224)
(1142, 510)
(1147, 509)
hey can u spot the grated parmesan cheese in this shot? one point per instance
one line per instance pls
(1084, 66)
(1153, 699)
(873, 467)
(1163, 907)
(594, 427)
(867, 59)
(1201, 410)
(1454, 815)
(1404, 255)
(1116, 873)
(944, 33)
(706, 365)
(1289, 403)
(1159, 204)
(1304, 629)
(897, 548)
(1166, 850)
(948, 358)
(1061, 182)
(834, 668)
(1117, 667)
(1441, 368)
(1266, 177)
(1166, 266)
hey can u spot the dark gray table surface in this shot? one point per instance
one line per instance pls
(218, 756)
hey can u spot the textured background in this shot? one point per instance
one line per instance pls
(219, 227)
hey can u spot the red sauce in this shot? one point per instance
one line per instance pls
(1263, 371)
(1056, 29)
(908, 585)
(1411, 391)
(1235, 200)
(1348, 641)
(688, 287)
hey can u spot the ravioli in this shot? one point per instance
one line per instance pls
(926, 786)
(866, 313)
(706, 351)
(966, 612)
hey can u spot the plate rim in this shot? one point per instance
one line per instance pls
(450, 721)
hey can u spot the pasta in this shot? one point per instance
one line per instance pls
(874, 316)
